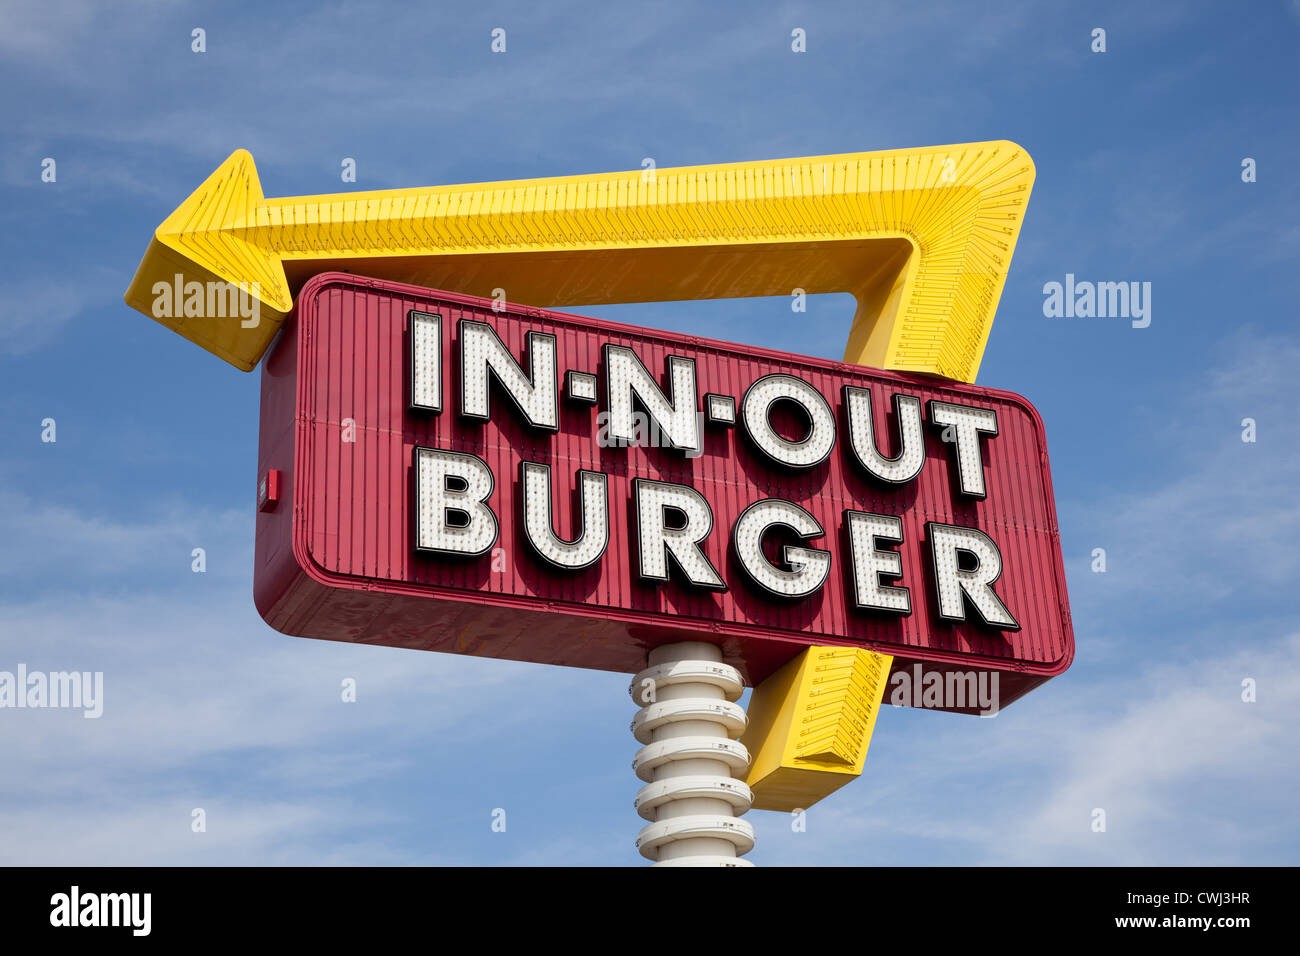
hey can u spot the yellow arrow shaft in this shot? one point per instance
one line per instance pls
(921, 237)
(832, 200)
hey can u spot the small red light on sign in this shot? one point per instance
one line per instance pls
(268, 490)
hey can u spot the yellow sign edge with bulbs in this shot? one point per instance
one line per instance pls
(923, 239)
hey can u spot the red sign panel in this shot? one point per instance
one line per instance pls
(460, 475)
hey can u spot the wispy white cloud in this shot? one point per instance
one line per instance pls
(58, 539)
(205, 706)
(147, 831)
(38, 31)
(1223, 528)
(1186, 772)
(35, 309)
(378, 68)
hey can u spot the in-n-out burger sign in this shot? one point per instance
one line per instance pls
(573, 491)
(673, 521)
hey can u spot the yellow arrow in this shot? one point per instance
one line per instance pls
(810, 725)
(922, 237)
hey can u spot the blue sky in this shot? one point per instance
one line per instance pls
(1138, 152)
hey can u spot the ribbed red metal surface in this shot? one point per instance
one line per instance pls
(340, 562)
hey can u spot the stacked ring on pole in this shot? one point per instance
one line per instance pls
(689, 726)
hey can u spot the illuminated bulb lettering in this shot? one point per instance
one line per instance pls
(808, 568)
(967, 423)
(452, 515)
(659, 539)
(870, 563)
(947, 543)
(539, 525)
(426, 361)
(755, 414)
(675, 418)
(536, 395)
(674, 520)
(904, 466)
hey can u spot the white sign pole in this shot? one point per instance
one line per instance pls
(690, 724)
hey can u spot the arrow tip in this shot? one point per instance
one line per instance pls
(208, 275)
(226, 199)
